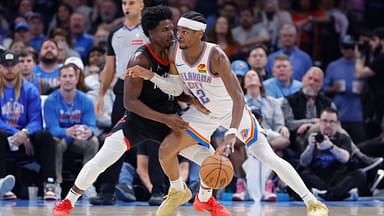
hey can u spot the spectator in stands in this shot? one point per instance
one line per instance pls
(63, 40)
(282, 83)
(326, 161)
(82, 41)
(300, 60)
(101, 36)
(240, 67)
(373, 93)
(61, 18)
(22, 32)
(221, 35)
(268, 111)
(93, 79)
(27, 61)
(229, 10)
(257, 60)
(302, 109)
(95, 57)
(17, 46)
(273, 19)
(70, 118)
(79, 66)
(36, 23)
(341, 83)
(103, 121)
(248, 33)
(21, 138)
(105, 13)
(307, 15)
(47, 71)
(25, 7)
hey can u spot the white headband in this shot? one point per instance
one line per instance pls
(191, 24)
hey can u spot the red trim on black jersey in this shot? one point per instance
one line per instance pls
(155, 56)
(126, 140)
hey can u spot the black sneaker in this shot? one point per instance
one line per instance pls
(103, 199)
(125, 193)
(367, 163)
(156, 199)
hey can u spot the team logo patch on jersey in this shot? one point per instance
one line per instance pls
(244, 133)
(202, 68)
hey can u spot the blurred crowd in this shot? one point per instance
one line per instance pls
(311, 71)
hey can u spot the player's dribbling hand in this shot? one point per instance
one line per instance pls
(228, 145)
(175, 122)
(138, 71)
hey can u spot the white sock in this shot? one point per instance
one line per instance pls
(113, 148)
(204, 193)
(73, 197)
(177, 184)
(263, 152)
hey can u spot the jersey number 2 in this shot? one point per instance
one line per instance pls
(203, 98)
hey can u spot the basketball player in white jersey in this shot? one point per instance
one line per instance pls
(205, 70)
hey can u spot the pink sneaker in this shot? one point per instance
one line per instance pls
(270, 195)
(240, 190)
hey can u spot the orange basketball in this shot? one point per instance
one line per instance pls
(216, 171)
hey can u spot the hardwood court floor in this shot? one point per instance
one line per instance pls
(41, 208)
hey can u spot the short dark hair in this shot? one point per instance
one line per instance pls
(193, 15)
(70, 65)
(330, 110)
(152, 16)
(24, 53)
(260, 46)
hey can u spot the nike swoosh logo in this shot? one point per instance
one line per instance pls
(179, 65)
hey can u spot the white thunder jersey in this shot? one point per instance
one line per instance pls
(209, 89)
(211, 92)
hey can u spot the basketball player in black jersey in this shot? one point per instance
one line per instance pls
(150, 113)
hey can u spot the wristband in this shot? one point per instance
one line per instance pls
(231, 131)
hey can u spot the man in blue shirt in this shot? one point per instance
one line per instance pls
(47, 71)
(82, 41)
(281, 84)
(21, 138)
(341, 83)
(70, 118)
(300, 60)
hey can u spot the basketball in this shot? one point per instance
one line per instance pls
(216, 171)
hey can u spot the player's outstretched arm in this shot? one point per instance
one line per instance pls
(172, 84)
(132, 91)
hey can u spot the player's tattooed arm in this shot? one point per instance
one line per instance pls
(221, 66)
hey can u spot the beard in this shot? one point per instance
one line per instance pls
(310, 91)
(48, 60)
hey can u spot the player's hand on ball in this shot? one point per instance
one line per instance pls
(227, 146)
(175, 122)
(138, 71)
